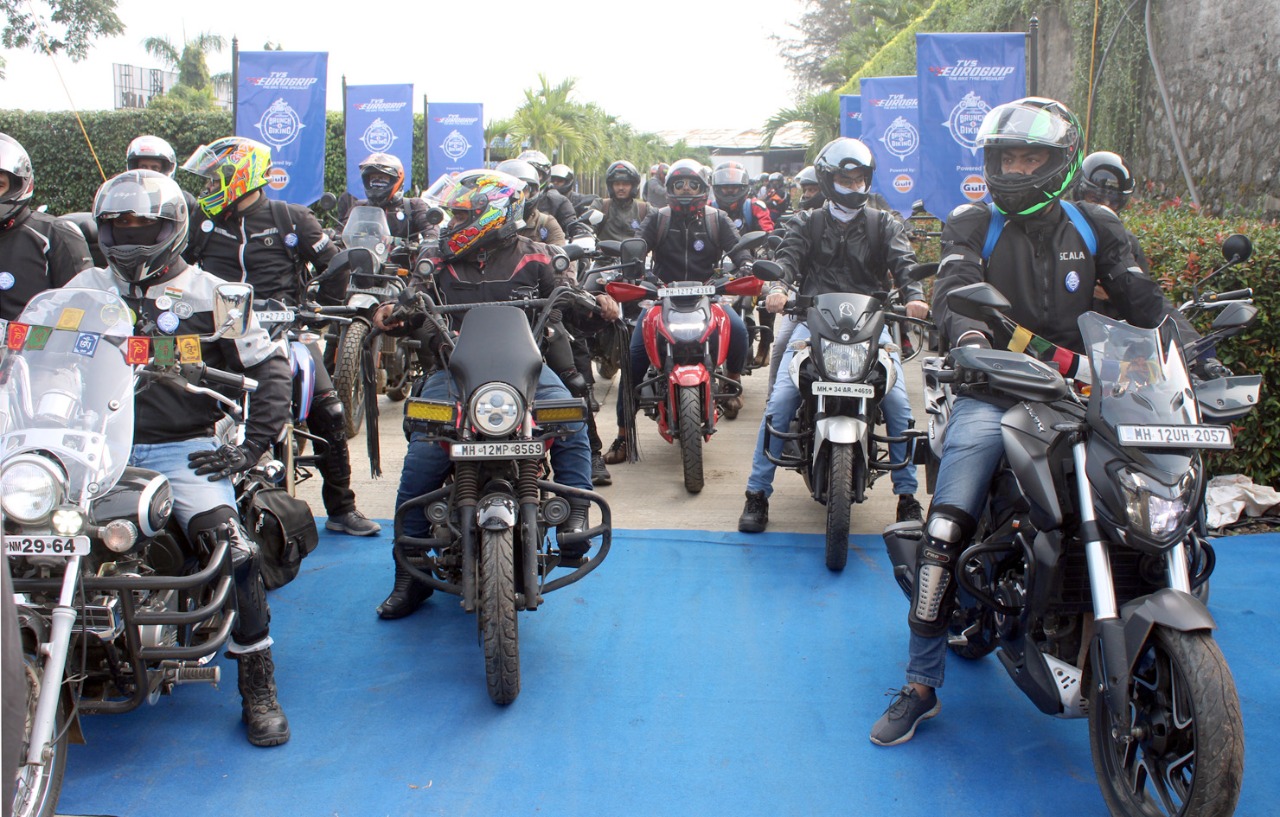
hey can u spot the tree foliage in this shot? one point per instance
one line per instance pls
(822, 28)
(194, 91)
(820, 111)
(61, 26)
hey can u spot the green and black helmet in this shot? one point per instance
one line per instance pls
(1032, 122)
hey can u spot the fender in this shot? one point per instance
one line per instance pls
(1166, 607)
(304, 373)
(650, 325)
(838, 430)
(496, 512)
(719, 324)
(693, 375)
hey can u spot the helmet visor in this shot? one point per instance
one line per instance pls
(1021, 123)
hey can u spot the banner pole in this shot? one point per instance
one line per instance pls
(1033, 35)
(426, 148)
(235, 86)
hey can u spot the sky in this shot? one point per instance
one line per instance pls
(623, 55)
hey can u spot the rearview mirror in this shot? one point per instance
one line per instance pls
(767, 270)
(328, 202)
(232, 305)
(979, 301)
(1237, 249)
(594, 217)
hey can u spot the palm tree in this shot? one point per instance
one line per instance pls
(189, 62)
(820, 111)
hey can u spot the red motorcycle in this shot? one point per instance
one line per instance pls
(686, 337)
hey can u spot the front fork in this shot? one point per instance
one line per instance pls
(55, 665)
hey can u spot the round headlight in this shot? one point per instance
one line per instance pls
(30, 490)
(496, 409)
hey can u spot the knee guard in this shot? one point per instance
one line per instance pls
(946, 531)
(327, 419)
(222, 524)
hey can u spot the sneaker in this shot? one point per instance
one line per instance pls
(617, 452)
(909, 509)
(599, 473)
(353, 523)
(755, 514)
(899, 721)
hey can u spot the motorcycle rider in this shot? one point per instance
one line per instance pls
(153, 153)
(549, 200)
(655, 187)
(382, 176)
(142, 226)
(777, 196)
(37, 250)
(843, 247)
(731, 189)
(563, 180)
(624, 211)
(806, 182)
(240, 235)
(1042, 264)
(482, 258)
(538, 225)
(687, 239)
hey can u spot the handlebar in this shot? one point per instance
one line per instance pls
(1231, 295)
(222, 378)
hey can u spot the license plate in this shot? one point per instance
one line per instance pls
(1153, 436)
(46, 545)
(680, 292)
(275, 316)
(504, 450)
(843, 389)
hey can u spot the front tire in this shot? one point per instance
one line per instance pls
(498, 627)
(839, 502)
(691, 438)
(1185, 753)
(347, 378)
(38, 787)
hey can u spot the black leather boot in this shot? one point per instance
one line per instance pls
(407, 595)
(260, 710)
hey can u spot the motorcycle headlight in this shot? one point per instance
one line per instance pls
(845, 362)
(496, 409)
(30, 489)
(686, 327)
(1153, 508)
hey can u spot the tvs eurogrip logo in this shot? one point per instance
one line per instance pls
(974, 187)
(972, 69)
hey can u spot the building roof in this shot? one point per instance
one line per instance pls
(795, 135)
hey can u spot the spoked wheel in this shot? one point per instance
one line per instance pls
(498, 628)
(1179, 750)
(839, 501)
(38, 787)
(691, 438)
(347, 380)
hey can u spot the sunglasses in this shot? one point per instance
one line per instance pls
(686, 186)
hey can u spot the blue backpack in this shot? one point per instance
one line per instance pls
(997, 222)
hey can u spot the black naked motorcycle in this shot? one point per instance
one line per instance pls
(492, 540)
(1087, 558)
(842, 374)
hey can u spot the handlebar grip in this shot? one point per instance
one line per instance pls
(1232, 295)
(946, 375)
(235, 381)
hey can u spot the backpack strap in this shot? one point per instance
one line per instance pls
(284, 225)
(994, 227)
(875, 237)
(642, 210)
(711, 217)
(1082, 226)
(195, 249)
(664, 224)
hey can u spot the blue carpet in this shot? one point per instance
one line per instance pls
(692, 674)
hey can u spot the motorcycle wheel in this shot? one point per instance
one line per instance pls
(498, 628)
(37, 788)
(839, 502)
(346, 377)
(691, 438)
(1185, 755)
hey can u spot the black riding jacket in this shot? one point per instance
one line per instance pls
(821, 254)
(37, 252)
(686, 252)
(247, 246)
(1043, 266)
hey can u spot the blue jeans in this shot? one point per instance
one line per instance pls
(734, 363)
(426, 464)
(192, 495)
(971, 453)
(784, 401)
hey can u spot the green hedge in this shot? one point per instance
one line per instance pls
(1184, 246)
(67, 176)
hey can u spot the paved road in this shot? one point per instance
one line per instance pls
(650, 494)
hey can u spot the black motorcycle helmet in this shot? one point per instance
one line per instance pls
(382, 192)
(1032, 122)
(731, 183)
(687, 170)
(848, 155)
(141, 255)
(806, 181)
(1105, 180)
(622, 171)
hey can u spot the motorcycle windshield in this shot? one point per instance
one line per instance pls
(1139, 375)
(68, 391)
(367, 228)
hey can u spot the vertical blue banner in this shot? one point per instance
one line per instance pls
(851, 116)
(962, 76)
(889, 128)
(455, 137)
(379, 120)
(280, 102)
